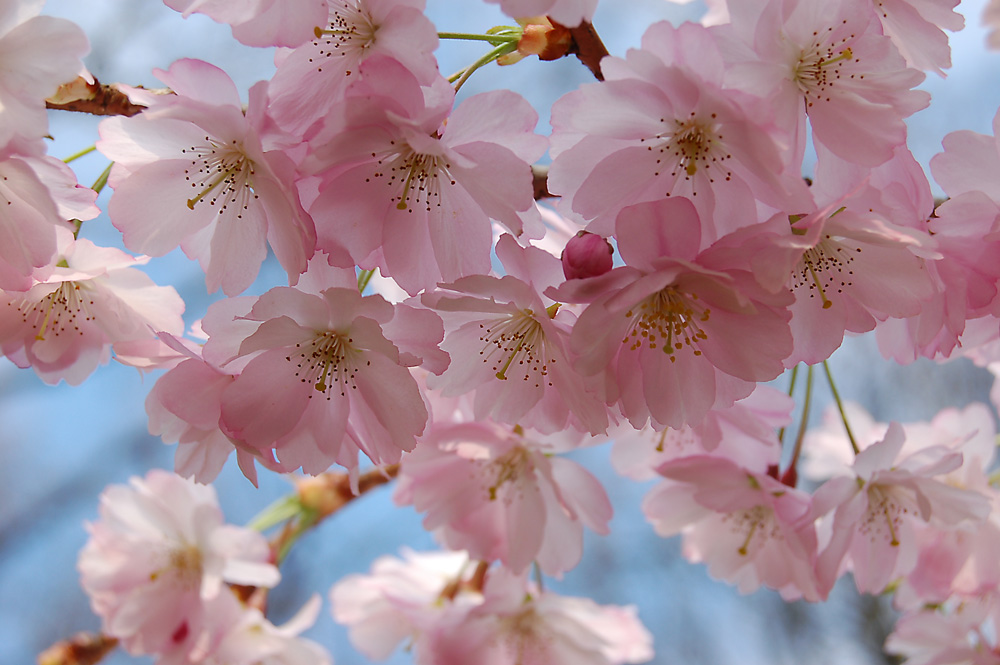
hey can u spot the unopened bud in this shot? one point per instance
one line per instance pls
(586, 255)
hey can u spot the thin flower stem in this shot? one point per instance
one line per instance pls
(503, 49)
(493, 39)
(81, 649)
(283, 509)
(840, 407)
(78, 155)
(538, 576)
(804, 424)
(364, 277)
(102, 179)
(315, 500)
(791, 391)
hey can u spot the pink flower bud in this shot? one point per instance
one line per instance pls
(586, 255)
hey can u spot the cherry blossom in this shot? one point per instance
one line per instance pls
(157, 561)
(509, 344)
(313, 78)
(88, 300)
(662, 335)
(567, 12)
(503, 494)
(876, 510)
(668, 127)
(220, 191)
(260, 22)
(39, 53)
(750, 529)
(344, 383)
(412, 194)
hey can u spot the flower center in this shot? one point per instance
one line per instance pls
(689, 145)
(820, 67)
(884, 516)
(221, 175)
(823, 269)
(351, 29)
(754, 522)
(418, 174)
(328, 362)
(516, 342)
(510, 466)
(670, 320)
(58, 312)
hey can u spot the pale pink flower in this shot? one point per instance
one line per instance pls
(260, 22)
(570, 13)
(322, 375)
(243, 636)
(313, 78)
(745, 433)
(410, 186)
(449, 615)
(917, 29)
(855, 85)
(503, 494)
(961, 632)
(662, 124)
(39, 53)
(88, 300)
(185, 407)
(516, 622)
(158, 558)
(676, 333)
(750, 529)
(877, 508)
(991, 20)
(510, 345)
(194, 170)
(400, 598)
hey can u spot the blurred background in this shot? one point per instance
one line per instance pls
(60, 446)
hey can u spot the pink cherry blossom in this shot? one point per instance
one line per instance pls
(159, 556)
(877, 507)
(961, 632)
(750, 529)
(217, 189)
(745, 433)
(261, 22)
(411, 189)
(90, 299)
(567, 12)
(39, 53)
(510, 345)
(185, 407)
(517, 622)
(322, 375)
(503, 494)
(662, 124)
(675, 333)
(313, 78)
(917, 29)
(856, 87)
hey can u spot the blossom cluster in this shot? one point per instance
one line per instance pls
(685, 262)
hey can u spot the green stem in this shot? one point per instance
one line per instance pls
(283, 509)
(78, 155)
(102, 179)
(791, 390)
(840, 407)
(493, 39)
(501, 50)
(364, 277)
(804, 424)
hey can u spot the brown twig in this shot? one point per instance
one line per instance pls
(95, 98)
(540, 182)
(81, 649)
(589, 48)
